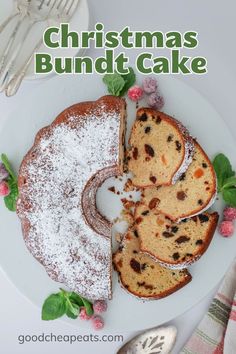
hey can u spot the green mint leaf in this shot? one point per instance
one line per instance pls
(223, 169)
(8, 167)
(72, 310)
(229, 182)
(76, 299)
(70, 314)
(130, 79)
(54, 307)
(115, 83)
(79, 300)
(229, 196)
(11, 199)
(88, 307)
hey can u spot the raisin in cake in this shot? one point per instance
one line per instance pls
(161, 149)
(174, 245)
(194, 192)
(58, 181)
(140, 275)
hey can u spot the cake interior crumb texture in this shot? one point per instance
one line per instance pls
(160, 149)
(140, 275)
(176, 245)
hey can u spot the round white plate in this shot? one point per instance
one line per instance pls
(79, 22)
(16, 136)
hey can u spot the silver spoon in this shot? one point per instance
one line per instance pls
(158, 340)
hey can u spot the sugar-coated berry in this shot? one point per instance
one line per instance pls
(135, 93)
(98, 322)
(226, 228)
(156, 101)
(83, 315)
(3, 172)
(149, 85)
(99, 306)
(4, 189)
(229, 213)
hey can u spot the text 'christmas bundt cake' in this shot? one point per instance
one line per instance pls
(58, 181)
(194, 192)
(140, 275)
(160, 151)
(174, 245)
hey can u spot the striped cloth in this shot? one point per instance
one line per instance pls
(216, 333)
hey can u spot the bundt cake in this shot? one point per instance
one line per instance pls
(193, 193)
(140, 275)
(174, 245)
(58, 180)
(160, 151)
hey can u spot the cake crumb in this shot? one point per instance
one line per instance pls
(112, 189)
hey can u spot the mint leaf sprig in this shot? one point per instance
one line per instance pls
(11, 198)
(65, 303)
(118, 84)
(226, 179)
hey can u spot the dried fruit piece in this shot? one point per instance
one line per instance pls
(153, 179)
(149, 150)
(182, 239)
(153, 203)
(181, 195)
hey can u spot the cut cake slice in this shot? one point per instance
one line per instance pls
(160, 151)
(174, 245)
(193, 193)
(140, 275)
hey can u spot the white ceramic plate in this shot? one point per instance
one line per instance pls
(16, 137)
(79, 22)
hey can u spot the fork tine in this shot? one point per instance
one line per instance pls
(41, 4)
(60, 2)
(71, 6)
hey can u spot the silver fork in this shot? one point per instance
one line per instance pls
(20, 7)
(23, 15)
(36, 13)
(63, 14)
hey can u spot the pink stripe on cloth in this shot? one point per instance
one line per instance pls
(220, 347)
(233, 317)
(216, 333)
(197, 345)
(224, 298)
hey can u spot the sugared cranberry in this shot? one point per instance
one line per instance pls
(83, 315)
(229, 213)
(97, 322)
(3, 172)
(100, 306)
(156, 101)
(135, 93)
(4, 189)
(149, 85)
(226, 228)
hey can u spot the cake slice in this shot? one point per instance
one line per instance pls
(160, 151)
(140, 275)
(194, 192)
(174, 245)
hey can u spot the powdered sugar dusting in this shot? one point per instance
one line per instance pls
(62, 162)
